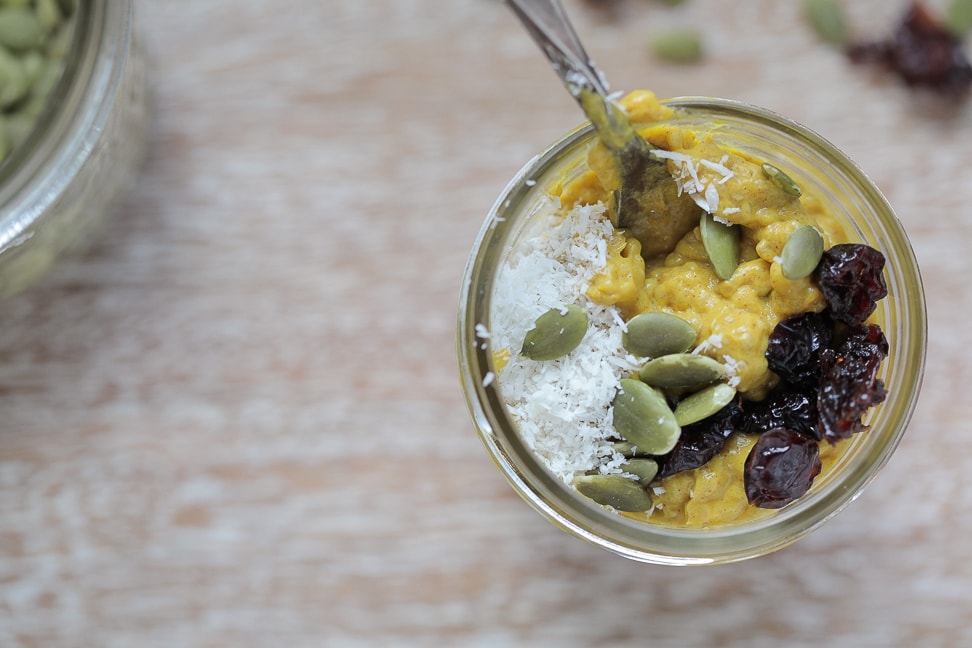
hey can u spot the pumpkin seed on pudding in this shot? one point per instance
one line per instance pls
(721, 241)
(642, 416)
(656, 334)
(682, 370)
(704, 403)
(782, 180)
(641, 467)
(615, 491)
(802, 252)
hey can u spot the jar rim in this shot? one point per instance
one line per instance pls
(644, 541)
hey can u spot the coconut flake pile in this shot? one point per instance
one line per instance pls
(689, 179)
(562, 407)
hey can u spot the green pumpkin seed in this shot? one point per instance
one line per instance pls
(555, 333)
(802, 252)
(678, 45)
(827, 19)
(781, 180)
(48, 14)
(721, 243)
(679, 370)
(14, 80)
(650, 335)
(642, 468)
(958, 17)
(628, 449)
(619, 492)
(642, 416)
(19, 28)
(703, 404)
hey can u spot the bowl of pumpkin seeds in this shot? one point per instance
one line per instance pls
(72, 123)
(715, 381)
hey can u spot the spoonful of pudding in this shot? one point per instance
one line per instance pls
(648, 193)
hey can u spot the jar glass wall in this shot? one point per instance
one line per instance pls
(59, 185)
(848, 194)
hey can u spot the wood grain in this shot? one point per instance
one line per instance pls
(236, 420)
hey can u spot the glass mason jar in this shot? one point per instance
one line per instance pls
(821, 170)
(58, 186)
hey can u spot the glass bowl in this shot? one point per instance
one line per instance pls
(58, 186)
(821, 169)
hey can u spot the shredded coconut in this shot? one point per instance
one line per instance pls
(562, 407)
(732, 369)
(703, 190)
(710, 343)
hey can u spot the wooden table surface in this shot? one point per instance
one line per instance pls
(236, 419)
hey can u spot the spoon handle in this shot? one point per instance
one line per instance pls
(547, 22)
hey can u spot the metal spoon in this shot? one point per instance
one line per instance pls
(547, 23)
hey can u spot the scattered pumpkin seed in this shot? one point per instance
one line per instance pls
(615, 491)
(678, 45)
(643, 468)
(703, 404)
(827, 19)
(678, 370)
(721, 243)
(555, 333)
(802, 252)
(958, 17)
(781, 180)
(654, 334)
(642, 416)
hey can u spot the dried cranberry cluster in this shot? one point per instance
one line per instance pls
(827, 363)
(921, 51)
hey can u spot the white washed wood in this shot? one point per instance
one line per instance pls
(236, 421)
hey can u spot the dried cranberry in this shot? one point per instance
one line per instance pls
(793, 352)
(699, 442)
(849, 276)
(780, 468)
(848, 382)
(922, 51)
(784, 407)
